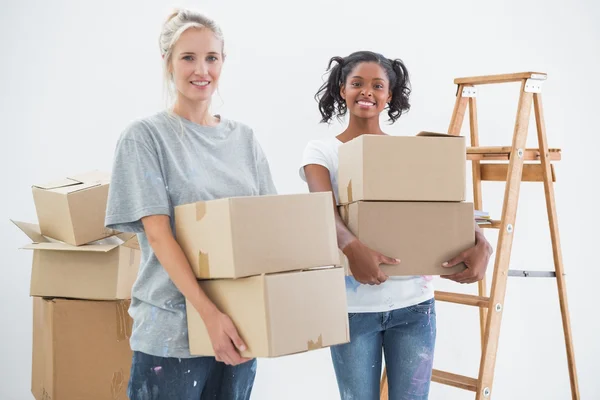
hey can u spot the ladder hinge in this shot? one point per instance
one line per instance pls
(469, 91)
(533, 85)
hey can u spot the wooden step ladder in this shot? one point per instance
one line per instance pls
(514, 170)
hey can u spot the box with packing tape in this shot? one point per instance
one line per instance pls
(426, 167)
(72, 210)
(102, 270)
(278, 314)
(80, 349)
(422, 235)
(244, 236)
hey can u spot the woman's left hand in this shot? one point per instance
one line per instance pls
(475, 259)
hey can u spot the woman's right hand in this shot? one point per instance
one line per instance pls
(364, 263)
(225, 339)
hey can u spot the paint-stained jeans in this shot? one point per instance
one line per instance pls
(407, 338)
(201, 378)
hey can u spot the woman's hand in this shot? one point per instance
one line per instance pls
(225, 339)
(364, 263)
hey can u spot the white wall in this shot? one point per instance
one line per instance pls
(74, 74)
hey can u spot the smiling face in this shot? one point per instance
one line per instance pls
(366, 90)
(196, 64)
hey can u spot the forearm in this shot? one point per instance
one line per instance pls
(344, 235)
(174, 261)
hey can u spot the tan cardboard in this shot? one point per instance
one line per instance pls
(80, 349)
(245, 236)
(72, 210)
(422, 235)
(105, 270)
(429, 167)
(278, 314)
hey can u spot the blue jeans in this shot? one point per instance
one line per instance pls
(200, 378)
(407, 338)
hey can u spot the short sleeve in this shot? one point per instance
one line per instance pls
(265, 179)
(137, 188)
(313, 154)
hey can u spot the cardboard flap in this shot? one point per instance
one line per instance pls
(97, 248)
(76, 183)
(57, 184)
(435, 134)
(31, 230)
(130, 240)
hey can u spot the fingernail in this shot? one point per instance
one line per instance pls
(397, 259)
(243, 348)
(445, 264)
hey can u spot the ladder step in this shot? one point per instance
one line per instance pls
(459, 381)
(461, 298)
(531, 274)
(502, 153)
(502, 78)
(499, 172)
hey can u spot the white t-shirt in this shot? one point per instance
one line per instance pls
(397, 291)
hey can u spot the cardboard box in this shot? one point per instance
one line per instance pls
(72, 210)
(422, 235)
(105, 270)
(278, 314)
(244, 236)
(80, 349)
(402, 168)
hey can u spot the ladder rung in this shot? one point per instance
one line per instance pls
(461, 298)
(459, 381)
(494, 224)
(502, 153)
(499, 172)
(531, 274)
(502, 78)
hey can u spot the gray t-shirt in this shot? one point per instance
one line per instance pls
(161, 162)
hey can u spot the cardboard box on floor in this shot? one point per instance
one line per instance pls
(105, 270)
(429, 167)
(278, 314)
(245, 236)
(73, 209)
(422, 235)
(80, 349)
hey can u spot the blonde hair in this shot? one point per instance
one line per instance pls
(178, 22)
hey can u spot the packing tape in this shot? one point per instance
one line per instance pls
(345, 213)
(349, 190)
(310, 345)
(131, 257)
(200, 210)
(117, 384)
(203, 265)
(123, 321)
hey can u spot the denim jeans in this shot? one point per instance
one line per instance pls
(406, 337)
(201, 378)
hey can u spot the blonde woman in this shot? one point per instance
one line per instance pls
(177, 156)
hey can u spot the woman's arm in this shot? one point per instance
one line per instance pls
(364, 262)
(222, 332)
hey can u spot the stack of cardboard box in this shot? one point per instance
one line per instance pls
(81, 281)
(403, 196)
(272, 264)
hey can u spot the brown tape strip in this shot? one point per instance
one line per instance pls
(345, 213)
(349, 190)
(203, 265)
(200, 210)
(315, 345)
(123, 321)
(131, 257)
(117, 384)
